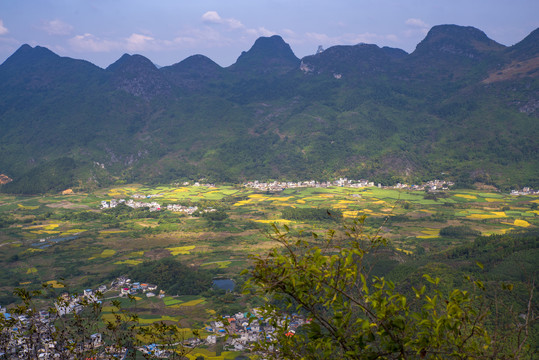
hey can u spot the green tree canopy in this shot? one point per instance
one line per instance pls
(353, 315)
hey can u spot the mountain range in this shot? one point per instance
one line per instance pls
(461, 107)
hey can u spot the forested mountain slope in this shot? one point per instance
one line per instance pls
(460, 106)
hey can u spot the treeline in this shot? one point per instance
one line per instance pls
(520, 246)
(312, 214)
(56, 175)
(459, 231)
(173, 276)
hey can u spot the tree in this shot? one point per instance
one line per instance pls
(78, 328)
(354, 315)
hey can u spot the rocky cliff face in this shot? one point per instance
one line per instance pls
(4, 179)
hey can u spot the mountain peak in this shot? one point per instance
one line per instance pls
(270, 43)
(138, 76)
(192, 72)
(528, 47)
(131, 62)
(194, 63)
(268, 54)
(39, 67)
(27, 56)
(455, 40)
(344, 60)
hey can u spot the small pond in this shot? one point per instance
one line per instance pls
(224, 284)
(48, 242)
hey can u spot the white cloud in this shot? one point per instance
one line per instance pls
(134, 43)
(57, 27)
(416, 23)
(139, 42)
(91, 43)
(3, 29)
(214, 32)
(417, 27)
(261, 31)
(288, 32)
(196, 36)
(392, 37)
(213, 17)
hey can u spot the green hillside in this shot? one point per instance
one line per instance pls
(461, 106)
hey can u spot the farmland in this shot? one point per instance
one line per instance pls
(71, 243)
(53, 233)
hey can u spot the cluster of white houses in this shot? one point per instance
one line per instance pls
(525, 191)
(127, 287)
(281, 185)
(343, 182)
(154, 206)
(247, 328)
(131, 203)
(22, 330)
(33, 335)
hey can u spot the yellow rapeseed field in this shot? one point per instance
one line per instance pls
(188, 303)
(104, 254)
(282, 198)
(278, 221)
(407, 252)
(129, 262)
(27, 207)
(429, 234)
(491, 215)
(465, 196)
(256, 196)
(55, 284)
(242, 202)
(350, 214)
(181, 250)
(521, 223)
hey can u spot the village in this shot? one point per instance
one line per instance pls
(525, 191)
(244, 329)
(238, 331)
(153, 206)
(276, 186)
(23, 329)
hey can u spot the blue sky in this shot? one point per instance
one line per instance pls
(168, 31)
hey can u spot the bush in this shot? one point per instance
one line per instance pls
(311, 214)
